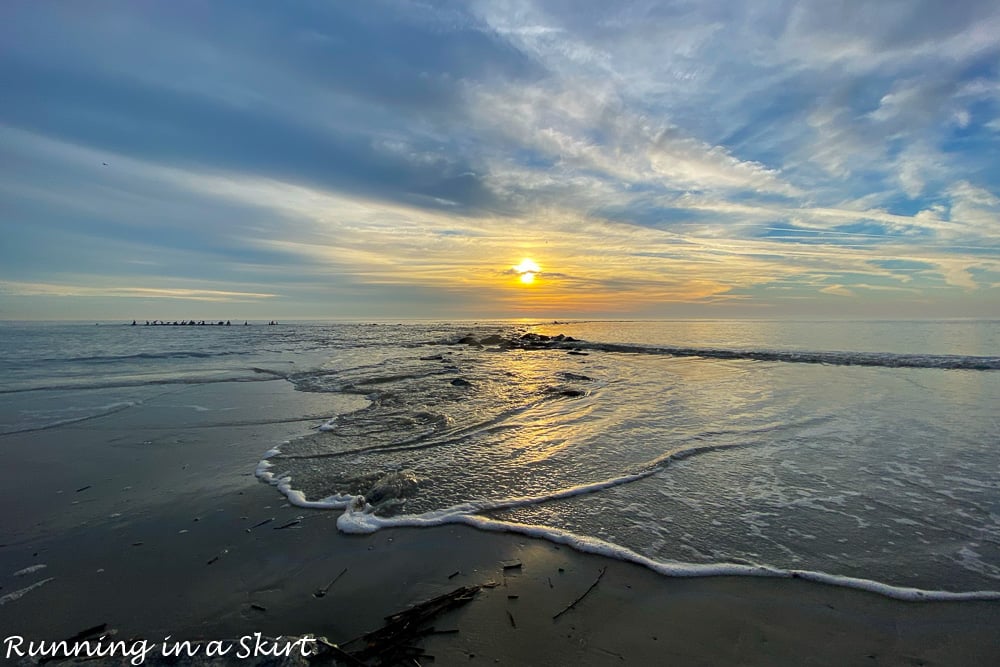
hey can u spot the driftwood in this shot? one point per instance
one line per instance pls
(320, 592)
(89, 632)
(576, 601)
(392, 644)
(328, 649)
(83, 635)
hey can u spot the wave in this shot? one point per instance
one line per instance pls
(120, 384)
(406, 393)
(180, 354)
(831, 358)
(359, 518)
(102, 411)
(354, 521)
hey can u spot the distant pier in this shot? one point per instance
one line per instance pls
(189, 323)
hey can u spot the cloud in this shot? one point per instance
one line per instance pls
(48, 289)
(975, 210)
(864, 35)
(397, 155)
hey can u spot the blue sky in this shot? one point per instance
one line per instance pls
(397, 159)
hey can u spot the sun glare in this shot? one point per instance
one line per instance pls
(527, 270)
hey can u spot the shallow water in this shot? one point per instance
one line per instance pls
(862, 450)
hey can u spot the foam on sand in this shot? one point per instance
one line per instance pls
(18, 594)
(283, 482)
(359, 517)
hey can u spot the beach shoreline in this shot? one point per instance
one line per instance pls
(155, 525)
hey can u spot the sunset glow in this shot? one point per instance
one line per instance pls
(713, 160)
(527, 271)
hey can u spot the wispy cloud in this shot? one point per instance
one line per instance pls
(394, 158)
(48, 289)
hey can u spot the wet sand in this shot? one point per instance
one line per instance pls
(150, 520)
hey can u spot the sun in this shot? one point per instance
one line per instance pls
(526, 270)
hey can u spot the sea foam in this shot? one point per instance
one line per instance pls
(659, 455)
(359, 518)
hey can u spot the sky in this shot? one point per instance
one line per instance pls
(353, 160)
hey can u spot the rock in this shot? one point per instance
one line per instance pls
(493, 339)
(392, 485)
(461, 382)
(572, 393)
(563, 391)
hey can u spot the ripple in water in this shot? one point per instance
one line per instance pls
(872, 472)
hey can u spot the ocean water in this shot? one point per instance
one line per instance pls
(864, 454)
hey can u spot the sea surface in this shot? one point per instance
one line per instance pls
(864, 454)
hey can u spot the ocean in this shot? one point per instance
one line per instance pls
(863, 454)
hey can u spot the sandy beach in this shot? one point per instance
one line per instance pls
(151, 521)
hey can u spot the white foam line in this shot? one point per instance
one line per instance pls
(339, 501)
(351, 522)
(359, 518)
(296, 497)
(521, 501)
(30, 569)
(17, 595)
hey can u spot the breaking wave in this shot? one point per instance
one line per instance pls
(830, 358)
